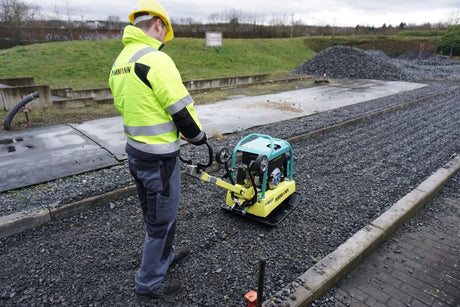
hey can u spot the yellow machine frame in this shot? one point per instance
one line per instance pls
(245, 197)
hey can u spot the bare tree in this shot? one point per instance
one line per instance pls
(57, 13)
(214, 18)
(453, 18)
(113, 22)
(69, 19)
(15, 15)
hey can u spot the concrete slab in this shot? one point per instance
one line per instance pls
(107, 132)
(38, 155)
(239, 114)
(242, 113)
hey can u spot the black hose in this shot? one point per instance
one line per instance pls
(16, 108)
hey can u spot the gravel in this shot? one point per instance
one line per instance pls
(343, 62)
(347, 178)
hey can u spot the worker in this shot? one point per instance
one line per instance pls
(157, 111)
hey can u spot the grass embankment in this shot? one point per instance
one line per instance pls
(86, 64)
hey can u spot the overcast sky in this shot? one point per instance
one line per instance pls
(309, 12)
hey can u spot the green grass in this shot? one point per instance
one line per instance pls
(86, 64)
(77, 64)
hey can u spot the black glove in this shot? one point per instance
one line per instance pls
(202, 141)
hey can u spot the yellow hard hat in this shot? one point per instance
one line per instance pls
(152, 7)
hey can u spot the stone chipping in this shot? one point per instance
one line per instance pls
(342, 62)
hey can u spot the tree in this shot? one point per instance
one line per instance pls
(15, 15)
(69, 19)
(453, 18)
(449, 43)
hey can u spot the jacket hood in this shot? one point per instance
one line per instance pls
(132, 34)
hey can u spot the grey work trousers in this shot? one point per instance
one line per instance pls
(158, 188)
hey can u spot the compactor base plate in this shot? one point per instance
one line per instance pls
(277, 215)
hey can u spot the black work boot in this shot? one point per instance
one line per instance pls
(180, 257)
(164, 290)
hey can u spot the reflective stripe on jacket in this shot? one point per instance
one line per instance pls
(149, 93)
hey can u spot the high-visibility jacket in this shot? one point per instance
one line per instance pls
(148, 92)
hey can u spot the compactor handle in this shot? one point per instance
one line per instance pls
(186, 161)
(211, 157)
(201, 166)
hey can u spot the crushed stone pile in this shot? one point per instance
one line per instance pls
(414, 55)
(378, 53)
(342, 62)
(437, 60)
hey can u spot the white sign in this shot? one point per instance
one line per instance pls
(214, 39)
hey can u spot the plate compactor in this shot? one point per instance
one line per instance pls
(261, 185)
